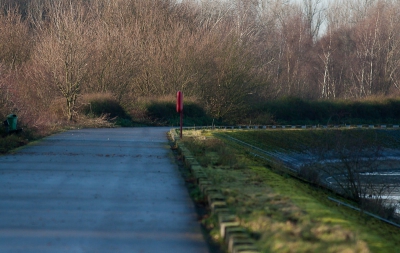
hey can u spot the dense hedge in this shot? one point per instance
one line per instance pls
(292, 110)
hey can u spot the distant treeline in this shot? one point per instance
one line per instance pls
(227, 56)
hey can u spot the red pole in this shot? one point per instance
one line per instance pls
(181, 123)
(179, 107)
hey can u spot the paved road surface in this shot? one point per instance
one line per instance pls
(97, 190)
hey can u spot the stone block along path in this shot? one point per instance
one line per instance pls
(95, 191)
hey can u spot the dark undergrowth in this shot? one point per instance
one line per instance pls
(104, 110)
(291, 110)
(12, 141)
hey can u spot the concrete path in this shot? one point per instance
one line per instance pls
(94, 191)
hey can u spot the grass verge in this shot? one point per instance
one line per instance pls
(283, 213)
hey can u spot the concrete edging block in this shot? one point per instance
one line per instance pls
(196, 168)
(236, 237)
(203, 184)
(200, 178)
(199, 175)
(203, 180)
(216, 197)
(234, 231)
(210, 189)
(220, 210)
(245, 249)
(219, 207)
(226, 218)
(224, 225)
(236, 242)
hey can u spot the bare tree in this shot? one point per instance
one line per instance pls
(389, 58)
(65, 50)
(328, 90)
(114, 54)
(313, 12)
(15, 40)
(350, 162)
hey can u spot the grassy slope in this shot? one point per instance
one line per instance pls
(285, 214)
(378, 236)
